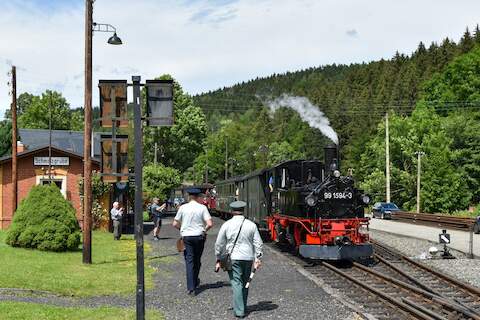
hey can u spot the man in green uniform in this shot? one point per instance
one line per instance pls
(239, 237)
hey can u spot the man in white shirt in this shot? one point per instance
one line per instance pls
(240, 238)
(193, 220)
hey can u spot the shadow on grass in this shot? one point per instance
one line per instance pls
(134, 258)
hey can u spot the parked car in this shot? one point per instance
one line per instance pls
(384, 210)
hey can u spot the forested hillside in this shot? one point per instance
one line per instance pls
(244, 135)
(354, 97)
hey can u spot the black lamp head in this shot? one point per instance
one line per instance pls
(115, 40)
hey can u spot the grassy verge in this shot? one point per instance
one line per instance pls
(112, 271)
(22, 310)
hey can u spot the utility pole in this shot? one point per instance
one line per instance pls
(419, 170)
(206, 165)
(226, 159)
(156, 152)
(50, 140)
(14, 138)
(137, 118)
(387, 158)
(87, 137)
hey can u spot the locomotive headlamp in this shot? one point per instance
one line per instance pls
(366, 199)
(336, 174)
(311, 200)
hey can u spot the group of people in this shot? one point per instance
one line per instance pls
(238, 243)
(238, 239)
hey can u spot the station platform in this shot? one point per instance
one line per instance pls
(278, 290)
(460, 240)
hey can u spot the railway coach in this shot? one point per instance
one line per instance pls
(306, 204)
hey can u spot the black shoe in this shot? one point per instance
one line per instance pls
(192, 293)
(156, 238)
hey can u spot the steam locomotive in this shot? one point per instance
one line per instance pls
(306, 204)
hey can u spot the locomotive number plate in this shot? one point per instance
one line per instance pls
(337, 195)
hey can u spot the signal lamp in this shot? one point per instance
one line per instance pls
(336, 174)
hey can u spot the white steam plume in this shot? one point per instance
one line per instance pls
(308, 112)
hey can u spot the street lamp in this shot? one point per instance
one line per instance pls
(90, 27)
(105, 27)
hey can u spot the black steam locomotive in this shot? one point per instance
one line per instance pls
(307, 204)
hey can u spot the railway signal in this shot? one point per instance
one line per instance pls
(113, 103)
(444, 238)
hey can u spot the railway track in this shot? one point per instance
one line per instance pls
(396, 287)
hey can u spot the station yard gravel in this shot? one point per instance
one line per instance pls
(462, 268)
(278, 290)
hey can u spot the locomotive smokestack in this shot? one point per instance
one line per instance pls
(331, 158)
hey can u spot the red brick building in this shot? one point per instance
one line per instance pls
(32, 165)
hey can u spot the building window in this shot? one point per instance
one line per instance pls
(59, 181)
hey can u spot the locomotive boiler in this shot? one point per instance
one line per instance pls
(307, 204)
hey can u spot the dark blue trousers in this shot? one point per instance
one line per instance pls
(193, 259)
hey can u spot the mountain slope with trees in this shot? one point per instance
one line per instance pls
(429, 95)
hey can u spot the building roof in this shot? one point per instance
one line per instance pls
(70, 141)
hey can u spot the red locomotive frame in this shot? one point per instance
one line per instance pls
(320, 231)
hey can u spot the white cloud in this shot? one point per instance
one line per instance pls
(209, 44)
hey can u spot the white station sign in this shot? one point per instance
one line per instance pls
(56, 161)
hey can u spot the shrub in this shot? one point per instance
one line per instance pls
(46, 221)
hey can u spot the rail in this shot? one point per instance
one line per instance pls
(437, 220)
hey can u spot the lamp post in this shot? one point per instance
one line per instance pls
(87, 135)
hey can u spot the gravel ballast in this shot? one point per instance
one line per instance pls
(278, 291)
(462, 268)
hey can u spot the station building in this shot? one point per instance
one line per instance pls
(32, 168)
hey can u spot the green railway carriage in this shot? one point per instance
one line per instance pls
(226, 192)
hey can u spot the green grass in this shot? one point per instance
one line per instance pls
(113, 270)
(22, 310)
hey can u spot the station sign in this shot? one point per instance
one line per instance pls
(56, 161)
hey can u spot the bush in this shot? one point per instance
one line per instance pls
(46, 221)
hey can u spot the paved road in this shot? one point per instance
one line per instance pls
(279, 291)
(460, 239)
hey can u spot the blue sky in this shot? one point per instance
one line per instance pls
(207, 44)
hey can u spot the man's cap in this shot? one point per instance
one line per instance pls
(238, 205)
(193, 191)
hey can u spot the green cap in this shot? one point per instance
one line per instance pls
(238, 205)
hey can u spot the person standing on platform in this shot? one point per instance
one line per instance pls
(157, 211)
(116, 214)
(239, 237)
(193, 220)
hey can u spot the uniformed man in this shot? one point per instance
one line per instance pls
(245, 253)
(193, 220)
(116, 214)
